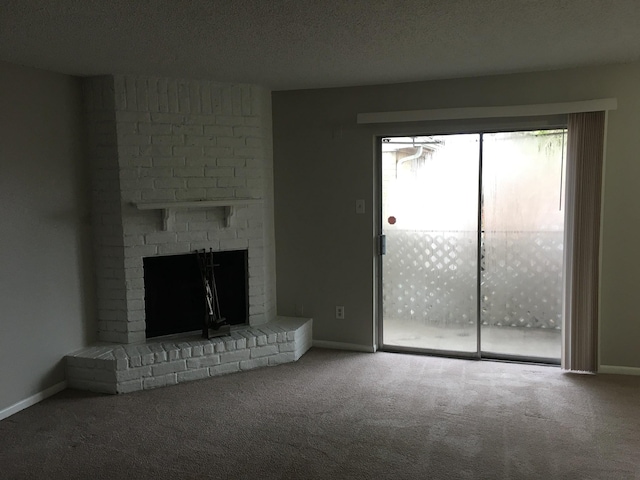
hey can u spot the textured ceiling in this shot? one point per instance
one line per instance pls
(291, 44)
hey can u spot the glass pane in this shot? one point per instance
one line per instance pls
(522, 250)
(430, 218)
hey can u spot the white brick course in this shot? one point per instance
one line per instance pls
(207, 361)
(193, 374)
(254, 363)
(229, 357)
(225, 368)
(280, 358)
(265, 351)
(130, 386)
(169, 367)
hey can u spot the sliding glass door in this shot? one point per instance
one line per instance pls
(473, 225)
(430, 219)
(522, 243)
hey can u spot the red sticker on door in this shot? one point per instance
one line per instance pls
(391, 220)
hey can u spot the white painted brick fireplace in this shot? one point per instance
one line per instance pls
(158, 141)
(178, 166)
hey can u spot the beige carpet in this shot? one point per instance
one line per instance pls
(340, 415)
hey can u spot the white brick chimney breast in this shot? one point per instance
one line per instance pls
(173, 162)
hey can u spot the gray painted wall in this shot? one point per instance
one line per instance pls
(46, 299)
(324, 161)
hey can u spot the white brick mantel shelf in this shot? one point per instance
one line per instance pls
(169, 208)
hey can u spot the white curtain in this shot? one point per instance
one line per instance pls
(585, 151)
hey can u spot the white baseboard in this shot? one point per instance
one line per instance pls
(619, 370)
(354, 347)
(32, 400)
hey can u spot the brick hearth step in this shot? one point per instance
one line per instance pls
(117, 368)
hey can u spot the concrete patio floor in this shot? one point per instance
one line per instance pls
(516, 341)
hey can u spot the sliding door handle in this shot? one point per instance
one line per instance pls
(382, 245)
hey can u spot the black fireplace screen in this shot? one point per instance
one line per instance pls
(175, 300)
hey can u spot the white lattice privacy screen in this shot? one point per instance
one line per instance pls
(430, 277)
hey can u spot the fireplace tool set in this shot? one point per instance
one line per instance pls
(215, 324)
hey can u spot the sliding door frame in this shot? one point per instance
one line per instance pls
(504, 125)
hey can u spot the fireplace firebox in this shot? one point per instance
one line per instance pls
(175, 297)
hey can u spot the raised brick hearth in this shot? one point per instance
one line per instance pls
(112, 368)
